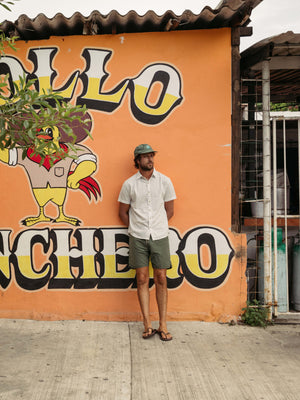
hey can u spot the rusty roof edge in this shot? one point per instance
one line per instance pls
(230, 13)
(130, 12)
(235, 4)
(97, 13)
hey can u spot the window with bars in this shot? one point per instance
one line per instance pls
(285, 137)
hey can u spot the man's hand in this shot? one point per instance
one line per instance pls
(169, 206)
(124, 213)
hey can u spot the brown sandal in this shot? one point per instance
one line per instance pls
(149, 333)
(164, 336)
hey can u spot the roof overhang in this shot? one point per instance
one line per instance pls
(229, 13)
(283, 54)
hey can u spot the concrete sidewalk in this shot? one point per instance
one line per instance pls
(79, 360)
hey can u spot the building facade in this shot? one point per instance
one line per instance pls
(175, 87)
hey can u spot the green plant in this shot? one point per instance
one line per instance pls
(280, 106)
(255, 314)
(3, 3)
(24, 110)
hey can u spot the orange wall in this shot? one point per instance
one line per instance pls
(194, 150)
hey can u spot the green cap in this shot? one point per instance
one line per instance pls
(143, 149)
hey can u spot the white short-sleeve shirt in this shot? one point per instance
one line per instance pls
(147, 214)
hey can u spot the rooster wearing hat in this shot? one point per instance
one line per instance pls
(50, 179)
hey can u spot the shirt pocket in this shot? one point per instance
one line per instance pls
(140, 196)
(59, 171)
(157, 194)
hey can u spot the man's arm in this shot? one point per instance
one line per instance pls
(124, 213)
(169, 206)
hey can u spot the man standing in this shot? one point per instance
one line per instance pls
(146, 204)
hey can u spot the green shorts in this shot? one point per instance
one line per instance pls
(141, 251)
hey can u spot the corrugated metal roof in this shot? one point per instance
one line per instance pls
(229, 13)
(283, 51)
(285, 44)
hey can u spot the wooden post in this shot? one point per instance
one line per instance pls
(235, 129)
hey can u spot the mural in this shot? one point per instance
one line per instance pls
(49, 183)
(157, 88)
(107, 268)
(93, 79)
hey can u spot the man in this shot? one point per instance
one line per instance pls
(146, 204)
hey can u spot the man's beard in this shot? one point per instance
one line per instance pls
(146, 167)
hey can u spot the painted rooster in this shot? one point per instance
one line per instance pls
(50, 180)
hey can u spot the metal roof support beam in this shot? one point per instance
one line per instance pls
(281, 62)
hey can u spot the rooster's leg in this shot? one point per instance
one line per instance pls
(64, 218)
(29, 221)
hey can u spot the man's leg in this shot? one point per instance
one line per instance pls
(160, 279)
(142, 279)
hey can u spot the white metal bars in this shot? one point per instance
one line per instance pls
(267, 185)
(281, 281)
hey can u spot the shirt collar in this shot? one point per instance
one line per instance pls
(140, 176)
